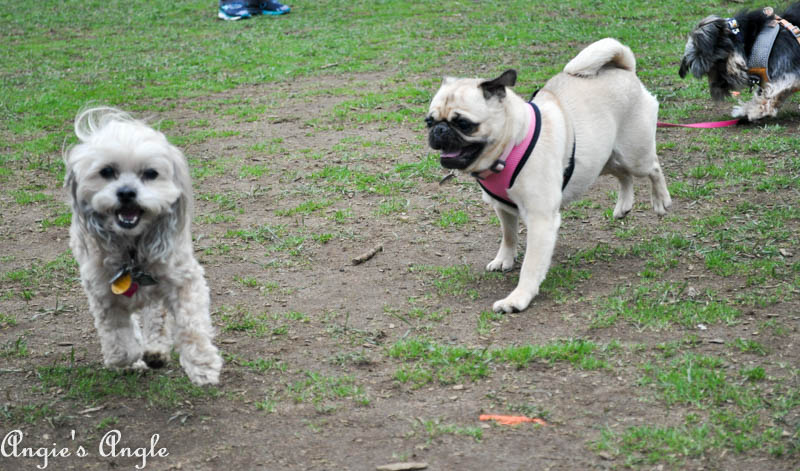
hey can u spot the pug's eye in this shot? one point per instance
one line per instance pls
(464, 125)
(107, 172)
(429, 122)
(149, 174)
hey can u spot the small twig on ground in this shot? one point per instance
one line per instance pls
(367, 255)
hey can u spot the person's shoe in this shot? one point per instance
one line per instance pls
(273, 7)
(236, 11)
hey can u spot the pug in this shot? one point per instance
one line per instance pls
(532, 158)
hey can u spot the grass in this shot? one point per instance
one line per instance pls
(427, 361)
(458, 280)
(15, 348)
(353, 87)
(663, 304)
(89, 384)
(434, 429)
(323, 391)
(239, 319)
(728, 414)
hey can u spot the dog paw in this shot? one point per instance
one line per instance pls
(203, 370)
(620, 213)
(738, 111)
(661, 205)
(206, 377)
(121, 359)
(154, 360)
(514, 302)
(499, 264)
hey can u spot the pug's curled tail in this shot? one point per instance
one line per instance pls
(605, 52)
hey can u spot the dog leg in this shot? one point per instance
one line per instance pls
(755, 109)
(156, 336)
(120, 339)
(505, 255)
(659, 194)
(616, 167)
(193, 330)
(767, 101)
(625, 197)
(541, 240)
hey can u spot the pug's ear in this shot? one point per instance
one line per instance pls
(497, 87)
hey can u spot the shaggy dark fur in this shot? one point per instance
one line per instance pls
(714, 50)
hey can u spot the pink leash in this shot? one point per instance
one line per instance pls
(706, 125)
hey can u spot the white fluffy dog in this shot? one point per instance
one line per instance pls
(132, 204)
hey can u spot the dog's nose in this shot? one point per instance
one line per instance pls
(440, 130)
(438, 134)
(126, 194)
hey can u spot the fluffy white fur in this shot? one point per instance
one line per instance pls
(121, 164)
(597, 99)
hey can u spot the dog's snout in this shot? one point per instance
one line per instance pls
(440, 130)
(438, 135)
(126, 194)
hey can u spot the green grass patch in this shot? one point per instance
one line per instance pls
(662, 304)
(90, 384)
(321, 390)
(435, 428)
(458, 280)
(428, 361)
(258, 325)
(305, 208)
(17, 348)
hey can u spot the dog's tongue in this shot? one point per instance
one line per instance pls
(129, 214)
(450, 155)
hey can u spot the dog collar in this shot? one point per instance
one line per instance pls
(500, 177)
(733, 25)
(130, 277)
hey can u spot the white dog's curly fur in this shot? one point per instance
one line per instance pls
(131, 199)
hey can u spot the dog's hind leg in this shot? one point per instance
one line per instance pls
(625, 195)
(659, 194)
(505, 255)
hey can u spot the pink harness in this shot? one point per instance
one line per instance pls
(497, 180)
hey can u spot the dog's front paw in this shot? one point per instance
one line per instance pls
(739, 111)
(155, 360)
(122, 359)
(515, 302)
(500, 264)
(202, 367)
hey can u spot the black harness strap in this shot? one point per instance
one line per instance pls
(571, 167)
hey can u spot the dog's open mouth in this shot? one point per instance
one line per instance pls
(461, 158)
(129, 216)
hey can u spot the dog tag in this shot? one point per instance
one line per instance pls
(122, 282)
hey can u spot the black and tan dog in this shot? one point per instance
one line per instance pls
(754, 48)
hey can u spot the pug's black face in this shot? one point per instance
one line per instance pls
(449, 138)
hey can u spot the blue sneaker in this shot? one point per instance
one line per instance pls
(273, 7)
(236, 11)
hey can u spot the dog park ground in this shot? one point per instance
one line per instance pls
(667, 343)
